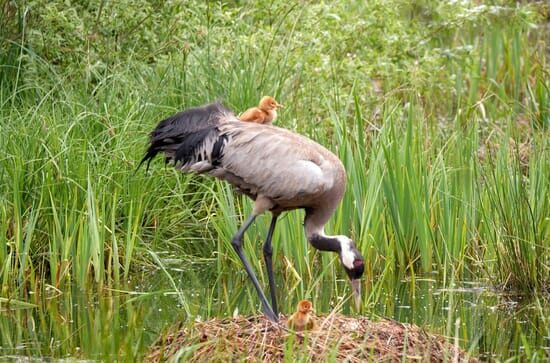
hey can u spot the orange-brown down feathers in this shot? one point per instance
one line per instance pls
(303, 318)
(265, 113)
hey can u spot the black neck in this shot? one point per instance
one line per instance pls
(324, 243)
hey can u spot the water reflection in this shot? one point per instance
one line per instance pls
(121, 324)
(486, 322)
(106, 325)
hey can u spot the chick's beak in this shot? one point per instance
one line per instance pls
(356, 287)
(280, 106)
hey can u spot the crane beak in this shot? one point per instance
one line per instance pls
(280, 106)
(356, 287)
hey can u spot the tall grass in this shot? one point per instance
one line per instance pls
(419, 195)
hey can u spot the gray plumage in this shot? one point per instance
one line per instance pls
(286, 170)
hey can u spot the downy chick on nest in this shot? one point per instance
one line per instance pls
(265, 113)
(303, 318)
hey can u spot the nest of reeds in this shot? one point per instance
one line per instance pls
(336, 337)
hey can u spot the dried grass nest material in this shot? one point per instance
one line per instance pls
(337, 337)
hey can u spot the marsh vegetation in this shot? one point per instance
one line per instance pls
(440, 112)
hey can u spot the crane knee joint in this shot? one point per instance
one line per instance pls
(237, 242)
(268, 251)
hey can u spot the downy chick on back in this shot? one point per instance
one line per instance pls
(303, 318)
(265, 113)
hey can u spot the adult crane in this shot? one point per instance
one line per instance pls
(278, 169)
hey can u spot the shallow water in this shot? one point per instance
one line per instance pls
(488, 323)
(121, 324)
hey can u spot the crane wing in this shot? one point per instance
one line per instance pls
(275, 162)
(183, 132)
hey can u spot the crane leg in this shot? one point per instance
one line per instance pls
(268, 253)
(237, 243)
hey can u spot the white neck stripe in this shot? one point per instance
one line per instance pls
(346, 252)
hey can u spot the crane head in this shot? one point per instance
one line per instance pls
(354, 264)
(268, 103)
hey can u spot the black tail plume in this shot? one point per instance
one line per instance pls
(180, 135)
